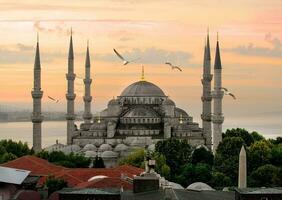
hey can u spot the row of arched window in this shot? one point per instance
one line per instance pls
(133, 120)
(139, 132)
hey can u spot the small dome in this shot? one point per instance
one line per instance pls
(99, 126)
(179, 112)
(109, 154)
(113, 102)
(90, 154)
(142, 89)
(90, 147)
(71, 148)
(105, 147)
(168, 102)
(175, 185)
(121, 147)
(199, 186)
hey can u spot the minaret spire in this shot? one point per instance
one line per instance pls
(37, 94)
(87, 115)
(70, 96)
(217, 118)
(206, 97)
(143, 74)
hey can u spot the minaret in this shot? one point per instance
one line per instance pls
(87, 116)
(207, 98)
(242, 179)
(37, 94)
(217, 118)
(70, 96)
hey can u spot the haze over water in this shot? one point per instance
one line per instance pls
(53, 130)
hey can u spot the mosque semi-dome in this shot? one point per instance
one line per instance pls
(142, 89)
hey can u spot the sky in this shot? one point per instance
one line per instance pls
(250, 34)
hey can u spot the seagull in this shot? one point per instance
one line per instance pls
(125, 62)
(56, 100)
(173, 66)
(226, 92)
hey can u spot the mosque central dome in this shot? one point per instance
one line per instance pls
(142, 89)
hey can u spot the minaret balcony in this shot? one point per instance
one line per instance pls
(70, 77)
(70, 117)
(217, 119)
(37, 117)
(70, 96)
(87, 98)
(217, 94)
(87, 116)
(206, 98)
(206, 117)
(207, 77)
(87, 81)
(37, 94)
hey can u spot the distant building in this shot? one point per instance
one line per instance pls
(258, 193)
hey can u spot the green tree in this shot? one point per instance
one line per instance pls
(266, 176)
(177, 153)
(43, 154)
(161, 167)
(220, 180)
(17, 148)
(7, 157)
(194, 173)
(227, 157)
(56, 156)
(202, 155)
(256, 136)
(276, 155)
(136, 158)
(54, 184)
(260, 154)
(240, 132)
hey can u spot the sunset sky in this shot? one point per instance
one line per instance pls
(250, 34)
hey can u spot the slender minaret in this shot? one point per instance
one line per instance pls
(217, 118)
(70, 96)
(87, 115)
(37, 94)
(242, 179)
(207, 98)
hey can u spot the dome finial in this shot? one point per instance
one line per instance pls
(142, 75)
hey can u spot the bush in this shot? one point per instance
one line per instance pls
(54, 184)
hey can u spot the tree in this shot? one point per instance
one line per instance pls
(7, 157)
(266, 176)
(256, 136)
(54, 184)
(276, 155)
(177, 153)
(136, 158)
(98, 162)
(161, 167)
(194, 173)
(56, 156)
(227, 157)
(202, 155)
(220, 180)
(240, 132)
(17, 148)
(260, 154)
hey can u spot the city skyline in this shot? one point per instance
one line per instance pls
(250, 42)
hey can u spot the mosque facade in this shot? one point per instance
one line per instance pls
(141, 115)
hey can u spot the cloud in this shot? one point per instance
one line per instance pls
(150, 56)
(59, 28)
(21, 53)
(251, 50)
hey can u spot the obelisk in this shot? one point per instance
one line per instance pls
(242, 179)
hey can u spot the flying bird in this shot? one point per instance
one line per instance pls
(173, 66)
(55, 100)
(125, 62)
(226, 92)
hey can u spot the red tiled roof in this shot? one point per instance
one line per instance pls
(107, 183)
(73, 176)
(27, 194)
(37, 166)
